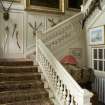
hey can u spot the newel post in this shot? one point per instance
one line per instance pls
(38, 36)
(85, 98)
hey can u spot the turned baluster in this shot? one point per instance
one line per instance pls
(53, 76)
(55, 80)
(58, 85)
(50, 72)
(45, 65)
(72, 101)
(61, 90)
(42, 61)
(64, 95)
(47, 68)
(41, 56)
(68, 98)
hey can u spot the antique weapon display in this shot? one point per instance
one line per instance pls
(7, 31)
(14, 29)
(17, 39)
(53, 23)
(35, 27)
(17, 34)
(7, 37)
(6, 10)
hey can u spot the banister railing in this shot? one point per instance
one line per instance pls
(60, 37)
(65, 88)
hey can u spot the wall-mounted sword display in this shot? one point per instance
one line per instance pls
(17, 40)
(7, 37)
(6, 10)
(17, 35)
(35, 27)
(14, 29)
(52, 22)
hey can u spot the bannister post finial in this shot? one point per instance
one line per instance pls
(85, 98)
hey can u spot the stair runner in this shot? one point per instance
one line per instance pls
(20, 83)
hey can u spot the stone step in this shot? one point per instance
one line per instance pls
(16, 62)
(44, 101)
(19, 77)
(22, 95)
(20, 85)
(18, 69)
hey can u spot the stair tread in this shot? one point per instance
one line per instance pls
(15, 62)
(20, 69)
(22, 95)
(13, 59)
(13, 67)
(18, 74)
(28, 91)
(20, 83)
(16, 69)
(15, 85)
(44, 101)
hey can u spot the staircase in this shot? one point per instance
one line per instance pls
(20, 84)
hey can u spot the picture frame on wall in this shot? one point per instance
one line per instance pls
(45, 5)
(74, 4)
(96, 35)
(18, 1)
(77, 52)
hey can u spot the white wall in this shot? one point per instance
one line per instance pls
(99, 20)
(10, 45)
(26, 39)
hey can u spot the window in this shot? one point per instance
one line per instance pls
(98, 59)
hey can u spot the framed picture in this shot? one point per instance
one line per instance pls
(77, 52)
(45, 5)
(96, 35)
(14, 1)
(74, 4)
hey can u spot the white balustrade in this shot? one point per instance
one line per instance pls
(59, 38)
(66, 90)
